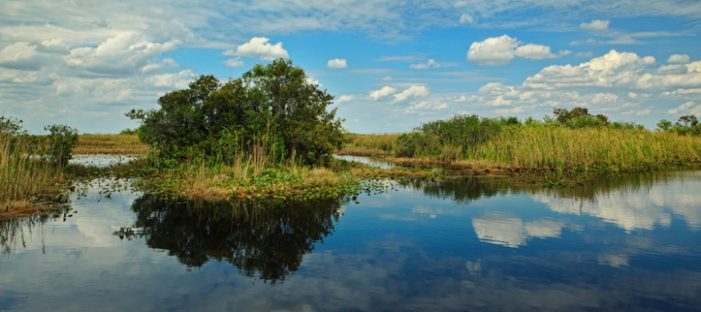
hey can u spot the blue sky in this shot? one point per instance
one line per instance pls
(391, 64)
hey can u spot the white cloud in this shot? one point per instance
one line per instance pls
(501, 50)
(337, 63)
(493, 51)
(17, 53)
(261, 48)
(613, 68)
(382, 92)
(173, 80)
(169, 62)
(430, 63)
(686, 109)
(678, 59)
(413, 91)
(595, 25)
(534, 51)
(124, 53)
(343, 99)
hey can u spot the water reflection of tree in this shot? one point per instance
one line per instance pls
(467, 189)
(267, 240)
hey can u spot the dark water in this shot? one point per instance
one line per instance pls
(629, 243)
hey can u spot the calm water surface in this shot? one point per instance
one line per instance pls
(628, 243)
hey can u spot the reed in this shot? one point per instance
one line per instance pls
(369, 144)
(23, 177)
(588, 149)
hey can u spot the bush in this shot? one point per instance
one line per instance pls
(272, 108)
(450, 138)
(10, 126)
(61, 141)
(686, 125)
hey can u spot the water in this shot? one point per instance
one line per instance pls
(101, 160)
(372, 162)
(627, 243)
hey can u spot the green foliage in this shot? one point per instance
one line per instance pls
(61, 141)
(449, 139)
(272, 108)
(11, 126)
(579, 117)
(686, 125)
(128, 131)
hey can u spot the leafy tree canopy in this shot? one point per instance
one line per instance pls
(272, 108)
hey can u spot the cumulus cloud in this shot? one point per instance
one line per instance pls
(337, 63)
(382, 92)
(501, 50)
(125, 53)
(259, 47)
(678, 59)
(617, 82)
(413, 91)
(595, 25)
(493, 51)
(534, 51)
(613, 68)
(18, 54)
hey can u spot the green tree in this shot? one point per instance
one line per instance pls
(61, 141)
(272, 107)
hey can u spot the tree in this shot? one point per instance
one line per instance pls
(10, 126)
(664, 125)
(579, 117)
(273, 108)
(61, 141)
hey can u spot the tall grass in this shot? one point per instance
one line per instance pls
(123, 144)
(587, 149)
(369, 144)
(23, 177)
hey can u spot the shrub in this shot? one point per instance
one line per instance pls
(10, 126)
(686, 125)
(61, 141)
(450, 138)
(272, 107)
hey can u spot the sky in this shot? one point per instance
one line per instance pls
(391, 65)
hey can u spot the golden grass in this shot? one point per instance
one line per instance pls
(24, 179)
(114, 144)
(588, 149)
